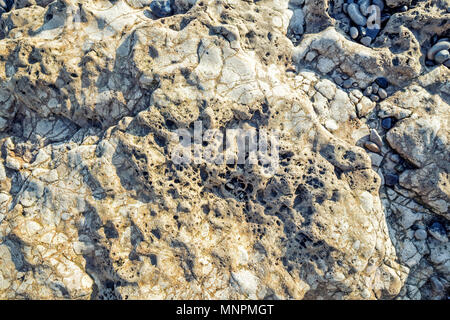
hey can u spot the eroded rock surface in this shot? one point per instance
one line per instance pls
(93, 205)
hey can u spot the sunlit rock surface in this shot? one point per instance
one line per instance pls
(93, 205)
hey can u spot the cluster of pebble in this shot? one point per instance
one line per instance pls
(375, 142)
(377, 91)
(439, 52)
(365, 19)
(161, 8)
(5, 6)
(166, 8)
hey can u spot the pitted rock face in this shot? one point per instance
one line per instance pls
(93, 205)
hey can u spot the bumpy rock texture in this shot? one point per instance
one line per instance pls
(93, 207)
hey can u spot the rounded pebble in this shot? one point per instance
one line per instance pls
(374, 98)
(338, 80)
(420, 234)
(441, 56)
(366, 40)
(375, 88)
(447, 63)
(382, 93)
(372, 147)
(354, 33)
(363, 5)
(387, 123)
(439, 46)
(355, 14)
(390, 179)
(362, 31)
(382, 82)
(368, 91)
(348, 83)
(404, 9)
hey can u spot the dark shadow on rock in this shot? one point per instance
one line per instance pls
(16, 247)
(99, 265)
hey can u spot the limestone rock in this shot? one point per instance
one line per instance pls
(97, 198)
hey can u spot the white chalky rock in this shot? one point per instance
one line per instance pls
(246, 282)
(90, 194)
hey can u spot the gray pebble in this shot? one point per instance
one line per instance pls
(363, 5)
(355, 14)
(382, 93)
(375, 88)
(447, 63)
(420, 234)
(366, 41)
(441, 56)
(439, 46)
(348, 83)
(354, 33)
(345, 8)
(338, 80)
(368, 91)
(374, 98)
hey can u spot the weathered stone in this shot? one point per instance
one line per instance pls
(95, 205)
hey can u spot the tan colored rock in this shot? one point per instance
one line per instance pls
(95, 203)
